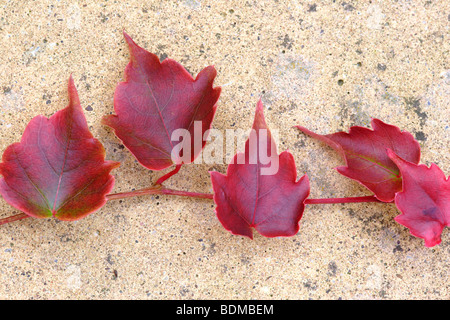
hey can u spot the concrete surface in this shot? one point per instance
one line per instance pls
(325, 65)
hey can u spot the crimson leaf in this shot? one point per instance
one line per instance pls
(246, 198)
(156, 99)
(424, 200)
(364, 151)
(58, 168)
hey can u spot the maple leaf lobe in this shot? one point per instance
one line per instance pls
(156, 99)
(58, 167)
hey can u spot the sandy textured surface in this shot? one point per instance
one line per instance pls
(325, 66)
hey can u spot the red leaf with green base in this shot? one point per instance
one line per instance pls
(58, 168)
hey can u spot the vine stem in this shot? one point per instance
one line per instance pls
(342, 200)
(16, 217)
(159, 189)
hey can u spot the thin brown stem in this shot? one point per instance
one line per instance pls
(342, 200)
(168, 175)
(158, 189)
(16, 217)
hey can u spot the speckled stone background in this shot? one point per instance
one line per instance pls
(325, 65)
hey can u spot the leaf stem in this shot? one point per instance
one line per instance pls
(342, 200)
(158, 189)
(168, 175)
(16, 217)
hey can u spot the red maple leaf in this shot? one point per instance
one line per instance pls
(58, 168)
(253, 195)
(424, 200)
(156, 99)
(364, 152)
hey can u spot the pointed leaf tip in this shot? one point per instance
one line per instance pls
(73, 93)
(259, 121)
(126, 36)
